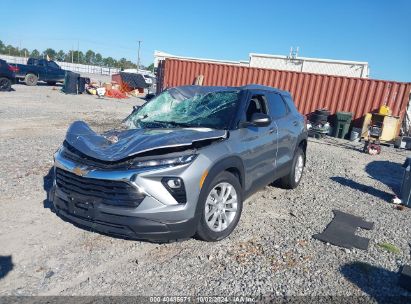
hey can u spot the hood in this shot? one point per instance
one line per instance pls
(118, 145)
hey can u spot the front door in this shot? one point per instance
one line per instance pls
(259, 144)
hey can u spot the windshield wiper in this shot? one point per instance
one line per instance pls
(174, 123)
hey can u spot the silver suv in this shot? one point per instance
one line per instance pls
(182, 165)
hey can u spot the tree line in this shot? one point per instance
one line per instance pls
(89, 57)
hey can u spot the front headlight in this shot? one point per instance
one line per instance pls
(174, 161)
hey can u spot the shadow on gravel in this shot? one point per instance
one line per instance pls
(44, 84)
(47, 184)
(363, 188)
(386, 172)
(330, 141)
(6, 265)
(380, 284)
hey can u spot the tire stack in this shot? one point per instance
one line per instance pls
(319, 123)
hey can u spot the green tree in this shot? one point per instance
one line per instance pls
(25, 52)
(110, 62)
(67, 56)
(151, 67)
(35, 53)
(11, 50)
(98, 59)
(78, 57)
(2, 47)
(122, 63)
(50, 52)
(90, 57)
(60, 56)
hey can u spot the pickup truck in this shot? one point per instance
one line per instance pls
(39, 70)
(7, 76)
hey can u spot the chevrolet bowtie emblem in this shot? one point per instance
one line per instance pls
(79, 171)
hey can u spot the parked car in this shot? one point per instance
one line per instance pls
(184, 166)
(7, 76)
(40, 70)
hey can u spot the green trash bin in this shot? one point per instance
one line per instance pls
(342, 125)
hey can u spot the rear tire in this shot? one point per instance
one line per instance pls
(224, 195)
(31, 79)
(292, 180)
(5, 84)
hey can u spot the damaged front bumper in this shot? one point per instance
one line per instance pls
(130, 203)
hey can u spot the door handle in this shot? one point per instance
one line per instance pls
(271, 131)
(295, 123)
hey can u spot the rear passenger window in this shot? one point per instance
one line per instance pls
(278, 108)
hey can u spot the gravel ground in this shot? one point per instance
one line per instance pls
(271, 252)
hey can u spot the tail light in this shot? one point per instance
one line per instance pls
(14, 69)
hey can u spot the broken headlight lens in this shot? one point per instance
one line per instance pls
(174, 161)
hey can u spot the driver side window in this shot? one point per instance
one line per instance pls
(257, 104)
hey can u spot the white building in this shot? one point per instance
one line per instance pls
(287, 63)
(160, 55)
(310, 65)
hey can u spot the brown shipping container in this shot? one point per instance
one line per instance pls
(310, 91)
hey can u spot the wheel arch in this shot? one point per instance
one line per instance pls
(302, 143)
(32, 72)
(232, 164)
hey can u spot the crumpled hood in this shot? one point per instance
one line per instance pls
(118, 145)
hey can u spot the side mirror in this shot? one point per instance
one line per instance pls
(260, 120)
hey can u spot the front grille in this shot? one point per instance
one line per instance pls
(105, 191)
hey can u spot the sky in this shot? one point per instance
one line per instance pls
(375, 31)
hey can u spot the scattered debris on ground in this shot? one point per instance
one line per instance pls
(271, 252)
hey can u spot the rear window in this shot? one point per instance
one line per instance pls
(53, 65)
(278, 108)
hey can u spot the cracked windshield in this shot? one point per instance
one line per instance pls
(168, 110)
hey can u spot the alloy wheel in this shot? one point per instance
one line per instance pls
(299, 166)
(221, 207)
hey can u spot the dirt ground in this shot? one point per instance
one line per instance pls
(271, 252)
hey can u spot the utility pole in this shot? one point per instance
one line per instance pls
(138, 55)
(78, 51)
(72, 54)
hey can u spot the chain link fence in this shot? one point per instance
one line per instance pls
(74, 67)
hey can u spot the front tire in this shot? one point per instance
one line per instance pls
(221, 208)
(292, 180)
(31, 79)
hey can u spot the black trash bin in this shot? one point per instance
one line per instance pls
(71, 83)
(406, 183)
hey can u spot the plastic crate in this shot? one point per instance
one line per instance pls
(344, 116)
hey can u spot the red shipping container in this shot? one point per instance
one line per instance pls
(310, 91)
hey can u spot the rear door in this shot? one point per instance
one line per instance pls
(286, 124)
(259, 144)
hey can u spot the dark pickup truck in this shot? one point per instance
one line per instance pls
(7, 75)
(40, 70)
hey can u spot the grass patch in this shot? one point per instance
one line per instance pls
(389, 247)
